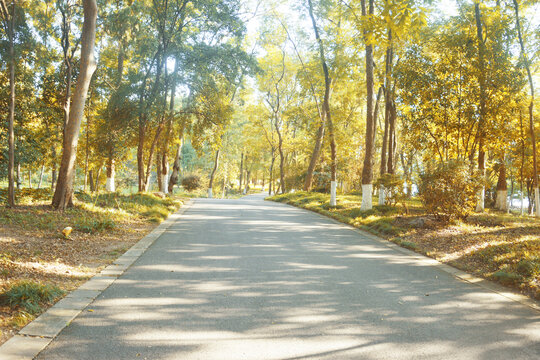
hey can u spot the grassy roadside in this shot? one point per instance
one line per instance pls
(38, 264)
(496, 246)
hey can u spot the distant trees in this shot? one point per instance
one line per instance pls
(368, 85)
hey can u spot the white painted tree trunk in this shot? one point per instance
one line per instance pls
(537, 202)
(480, 202)
(521, 204)
(209, 193)
(367, 200)
(501, 203)
(333, 190)
(165, 183)
(382, 195)
(110, 185)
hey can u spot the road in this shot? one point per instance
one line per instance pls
(249, 279)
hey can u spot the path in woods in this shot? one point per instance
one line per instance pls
(248, 279)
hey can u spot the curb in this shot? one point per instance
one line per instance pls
(38, 334)
(458, 274)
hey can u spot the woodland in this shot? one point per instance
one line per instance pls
(412, 113)
(343, 96)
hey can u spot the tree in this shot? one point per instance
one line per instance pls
(64, 188)
(8, 22)
(531, 108)
(367, 172)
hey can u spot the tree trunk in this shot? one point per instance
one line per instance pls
(18, 176)
(522, 161)
(391, 138)
(87, 152)
(241, 171)
(41, 176)
(326, 108)
(146, 185)
(29, 178)
(110, 185)
(270, 182)
(98, 173)
(213, 174)
(64, 188)
(246, 189)
(502, 188)
(91, 180)
(9, 21)
(481, 117)
(53, 170)
(176, 167)
(367, 171)
(531, 111)
(158, 172)
(387, 115)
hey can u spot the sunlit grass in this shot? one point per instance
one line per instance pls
(91, 213)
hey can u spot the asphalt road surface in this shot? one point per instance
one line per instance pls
(248, 279)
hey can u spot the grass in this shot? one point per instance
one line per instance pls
(36, 259)
(29, 296)
(494, 245)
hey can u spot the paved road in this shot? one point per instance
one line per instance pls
(248, 279)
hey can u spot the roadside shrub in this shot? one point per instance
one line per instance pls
(450, 191)
(91, 226)
(506, 278)
(529, 267)
(191, 182)
(29, 295)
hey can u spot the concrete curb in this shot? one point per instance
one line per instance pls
(459, 274)
(38, 334)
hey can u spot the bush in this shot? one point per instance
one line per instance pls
(450, 191)
(91, 226)
(191, 182)
(29, 295)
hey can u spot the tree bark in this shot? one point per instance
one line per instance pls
(9, 24)
(481, 117)
(150, 155)
(91, 180)
(367, 171)
(270, 182)
(502, 188)
(110, 185)
(64, 188)
(241, 171)
(176, 167)
(213, 174)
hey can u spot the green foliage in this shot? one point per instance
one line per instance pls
(506, 278)
(29, 296)
(450, 190)
(191, 182)
(91, 226)
(529, 267)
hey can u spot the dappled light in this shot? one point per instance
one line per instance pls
(228, 288)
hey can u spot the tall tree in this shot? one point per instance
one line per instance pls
(64, 188)
(326, 107)
(8, 22)
(482, 111)
(367, 171)
(531, 109)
